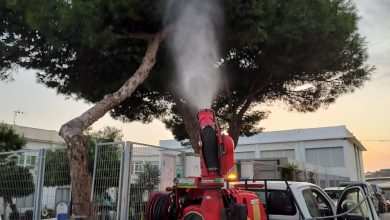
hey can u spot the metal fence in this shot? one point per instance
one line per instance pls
(32, 182)
(152, 169)
(20, 197)
(107, 176)
(56, 181)
(126, 173)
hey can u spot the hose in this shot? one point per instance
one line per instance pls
(210, 148)
(157, 206)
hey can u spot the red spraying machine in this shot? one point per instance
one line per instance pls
(205, 197)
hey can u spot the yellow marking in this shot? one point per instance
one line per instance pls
(256, 212)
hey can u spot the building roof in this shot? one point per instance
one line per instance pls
(306, 134)
(39, 135)
(172, 143)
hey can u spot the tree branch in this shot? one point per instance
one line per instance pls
(72, 130)
(229, 96)
(145, 36)
(138, 36)
(110, 101)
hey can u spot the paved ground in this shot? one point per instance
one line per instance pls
(385, 216)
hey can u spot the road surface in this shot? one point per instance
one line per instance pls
(385, 216)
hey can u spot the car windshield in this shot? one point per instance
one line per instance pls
(316, 203)
(351, 200)
(334, 194)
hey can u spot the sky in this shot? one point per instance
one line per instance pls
(366, 112)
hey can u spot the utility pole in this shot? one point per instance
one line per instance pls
(16, 113)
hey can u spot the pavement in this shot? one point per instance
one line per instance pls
(385, 216)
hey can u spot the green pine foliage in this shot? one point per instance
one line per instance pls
(10, 140)
(305, 53)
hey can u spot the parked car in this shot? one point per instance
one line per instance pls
(388, 205)
(334, 193)
(302, 200)
(381, 198)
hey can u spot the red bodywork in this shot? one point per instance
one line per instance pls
(225, 146)
(204, 197)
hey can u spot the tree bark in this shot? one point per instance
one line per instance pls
(7, 200)
(235, 122)
(234, 129)
(191, 124)
(72, 131)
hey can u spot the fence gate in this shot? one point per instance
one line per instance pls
(21, 184)
(107, 177)
(126, 173)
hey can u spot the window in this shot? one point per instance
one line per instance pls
(334, 194)
(326, 157)
(244, 155)
(323, 183)
(28, 160)
(21, 160)
(316, 203)
(290, 154)
(280, 202)
(25, 202)
(62, 194)
(334, 183)
(137, 167)
(155, 163)
(350, 200)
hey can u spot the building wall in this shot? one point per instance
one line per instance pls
(349, 165)
(40, 138)
(330, 141)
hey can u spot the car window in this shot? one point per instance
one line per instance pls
(316, 203)
(370, 190)
(281, 202)
(351, 199)
(334, 194)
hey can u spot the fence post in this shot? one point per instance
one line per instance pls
(125, 180)
(94, 171)
(39, 184)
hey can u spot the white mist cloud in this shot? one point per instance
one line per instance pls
(194, 47)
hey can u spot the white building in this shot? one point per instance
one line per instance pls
(328, 150)
(40, 138)
(37, 139)
(333, 150)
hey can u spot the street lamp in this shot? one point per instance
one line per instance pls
(16, 113)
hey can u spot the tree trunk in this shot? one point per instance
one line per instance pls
(191, 124)
(72, 131)
(5, 210)
(236, 121)
(235, 129)
(7, 200)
